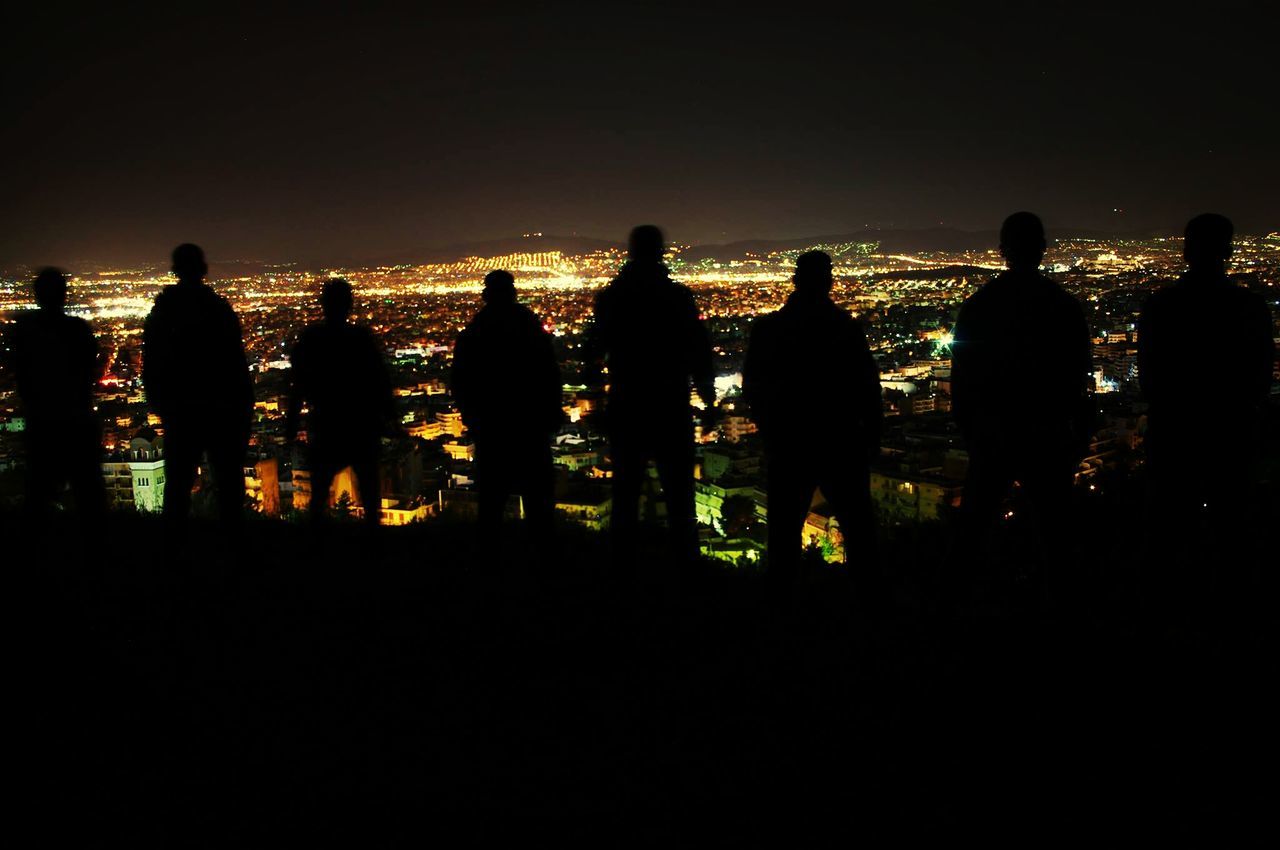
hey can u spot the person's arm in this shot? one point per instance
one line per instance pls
(595, 341)
(384, 391)
(757, 388)
(461, 378)
(867, 372)
(100, 364)
(1153, 348)
(701, 357)
(14, 358)
(962, 368)
(1084, 418)
(157, 360)
(293, 404)
(95, 365)
(550, 379)
(241, 361)
(1262, 353)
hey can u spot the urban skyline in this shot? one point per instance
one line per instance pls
(907, 300)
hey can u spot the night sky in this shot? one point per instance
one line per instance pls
(325, 136)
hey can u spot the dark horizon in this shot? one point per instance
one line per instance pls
(367, 135)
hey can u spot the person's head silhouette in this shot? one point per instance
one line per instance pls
(1022, 242)
(499, 288)
(336, 300)
(50, 288)
(813, 274)
(1206, 244)
(188, 263)
(646, 244)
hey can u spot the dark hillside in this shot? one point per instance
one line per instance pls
(275, 686)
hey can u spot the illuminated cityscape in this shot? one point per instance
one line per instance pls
(968, 525)
(908, 300)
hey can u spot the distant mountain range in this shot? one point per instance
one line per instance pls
(891, 241)
(943, 239)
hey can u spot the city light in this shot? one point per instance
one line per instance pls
(907, 303)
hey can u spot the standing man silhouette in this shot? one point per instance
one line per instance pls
(1193, 394)
(56, 364)
(197, 380)
(814, 391)
(1021, 367)
(338, 369)
(648, 330)
(507, 385)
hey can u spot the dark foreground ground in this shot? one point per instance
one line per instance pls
(275, 690)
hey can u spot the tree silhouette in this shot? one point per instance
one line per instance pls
(739, 516)
(342, 507)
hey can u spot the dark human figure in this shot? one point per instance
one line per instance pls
(507, 386)
(197, 380)
(56, 364)
(814, 391)
(1021, 364)
(648, 330)
(337, 368)
(1198, 497)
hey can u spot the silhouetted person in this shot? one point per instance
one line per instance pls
(197, 380)
(507, 385)
(647, 328)
(337, 368)
(1205, 358)
(814, 391)
(56, 364)
(1021, 364)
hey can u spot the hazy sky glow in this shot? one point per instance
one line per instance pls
(266, 136)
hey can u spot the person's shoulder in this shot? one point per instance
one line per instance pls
(25, 329)
(842, 315)
(532, 322)
(494, 319)
(77, 325)
(679, 290)
(851, 323)
(1163, 297)
(56, 325)
(180, 297)
(1054, 287)
(767, 322)
(524, 313)
(168, 296)
(680, 298)
(987, 291)
(993, 286)
(200, 296)
(771, 328)
(222, 302)
(320, 339)
(1062, 299)
(1247, 301)
(360, 331)
(310, 335)
(836, 321)
(607, 293)
(620, 297)
(473, 325)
